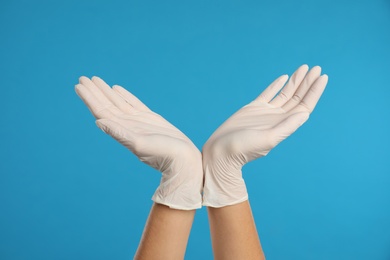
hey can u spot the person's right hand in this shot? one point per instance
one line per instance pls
(254, 130)
(151, 138)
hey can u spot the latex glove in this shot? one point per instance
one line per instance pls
(254, 130)
(151, 138)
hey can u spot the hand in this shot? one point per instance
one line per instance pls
(254, 130)
(151, 138)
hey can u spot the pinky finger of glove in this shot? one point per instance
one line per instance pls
(116, 131)
(288, 126)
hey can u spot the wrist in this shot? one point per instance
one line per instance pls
(223, 188)
(181, 183)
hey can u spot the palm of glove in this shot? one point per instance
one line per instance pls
(241, 138)
(258, 127)
(151, 138)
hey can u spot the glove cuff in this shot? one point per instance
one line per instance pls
(223, 189)
(181, 189)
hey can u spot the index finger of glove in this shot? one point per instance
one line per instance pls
(130, 98)
(112, 95)
(268, 94)
(98, 109)
(289, 90)
(314, 93)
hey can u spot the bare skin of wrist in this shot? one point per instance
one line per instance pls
(233, 233)
(166, 234)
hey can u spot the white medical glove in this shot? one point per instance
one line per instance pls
(151, 138)
(254, 130)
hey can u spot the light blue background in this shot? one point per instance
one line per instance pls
(68, 191)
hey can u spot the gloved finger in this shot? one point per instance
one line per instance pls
(288, 126)
(306, 84)
(112, 95)
(130, 98)
(291, 86)
(98, 109)
(268, 94)
(156, 126)
(99, 96)
(313, 95)
(117, 131)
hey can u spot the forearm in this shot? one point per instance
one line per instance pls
(166, 233)
(233, 233)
